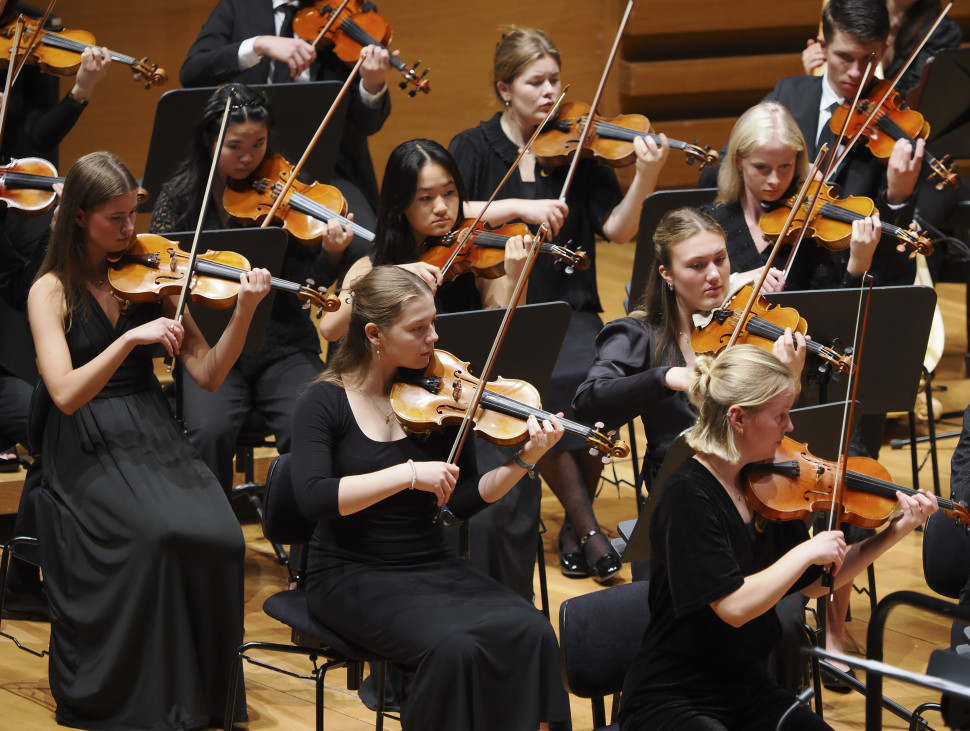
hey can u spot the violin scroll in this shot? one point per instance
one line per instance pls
(703, 155)
(317, 297)
(151, 74)
(605, 444)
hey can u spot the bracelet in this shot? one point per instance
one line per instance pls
(414, 474)
(517, 457)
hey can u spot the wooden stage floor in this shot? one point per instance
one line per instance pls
(278, 702)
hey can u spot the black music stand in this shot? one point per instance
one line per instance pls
(297, 109)
(940, 103)
(817, 426)
(654, 207)
(263, 247)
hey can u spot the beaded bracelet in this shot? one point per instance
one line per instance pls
(414, 474)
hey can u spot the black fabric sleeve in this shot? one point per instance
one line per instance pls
(45, 124)
(214, 56)
(319, 421)
(960, 463)
(469, 150)
(622, 383)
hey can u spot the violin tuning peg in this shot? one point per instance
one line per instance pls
(413, 93)
(599, 425)
(606, 459)
(415, 67)
(306, 306)
(403, 85)
(310, 282)
(593, 451)
(425, 72)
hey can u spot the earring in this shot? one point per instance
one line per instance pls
(507, 104)
(670, 286)
(378, 352)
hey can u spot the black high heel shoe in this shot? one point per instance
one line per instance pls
(607, 565)
(572, 565)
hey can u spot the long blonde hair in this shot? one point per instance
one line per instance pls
(92, 180)
(760, 126)
(744, 376)
(379, 296)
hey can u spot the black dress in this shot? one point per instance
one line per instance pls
(691, 663)
(482, 657)
(142, 556)
(625, 382)
(484, 154)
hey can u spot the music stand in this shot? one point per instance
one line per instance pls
(263, 247)
(817, 426)
(654, 207)
(948, 117)
(529, 350)
(894, 310)
(297, 111)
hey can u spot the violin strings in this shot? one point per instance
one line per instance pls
(29, 180)
(69, 44)
(218, 268)
(306, 205)
(618, 132)
(517, 408)
(350, 27)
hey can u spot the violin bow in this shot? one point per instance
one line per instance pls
(587, 128)
(796, 206)
(37, 36)
(829, 168)
(9, 81)
(508, 173)
(309, 148)
(877, 108)
(326, 27)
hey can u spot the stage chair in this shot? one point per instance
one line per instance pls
(284, 523)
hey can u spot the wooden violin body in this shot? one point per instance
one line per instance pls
(439, 396)
(892, 122)
(154, 267)
(27, 185)
(59, 53)
(356, 25)
(798, 483)
(482, 250)
(829, 221)
(765, 324)
(305, 211)
(610, 141)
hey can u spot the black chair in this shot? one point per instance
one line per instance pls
(284, 523)
(599, 637)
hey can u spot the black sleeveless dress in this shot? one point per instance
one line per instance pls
(142, 556)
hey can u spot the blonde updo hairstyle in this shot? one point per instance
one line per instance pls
(762, 125)
(518, 48)
(744, 376)
(379, 296)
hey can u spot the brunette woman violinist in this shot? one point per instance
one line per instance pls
(766, 155)
(379, 572)
(140, 547)
(423, 200)
(526, 78)
(266, 381)
(251, 41)
(714, 578)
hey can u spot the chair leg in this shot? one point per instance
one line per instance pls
(381, 687)
(231, 695)
(541, 563)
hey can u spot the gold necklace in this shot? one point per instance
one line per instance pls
(387, 416)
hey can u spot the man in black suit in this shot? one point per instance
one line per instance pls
(251, 42)
(855, 32)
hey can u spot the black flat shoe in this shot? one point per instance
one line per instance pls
(835, 683)
(573, 564)
(607, 565)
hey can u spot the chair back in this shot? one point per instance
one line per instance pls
(282, 520)
(946, 555)
(600, 635)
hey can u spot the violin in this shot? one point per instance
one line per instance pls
(799, 483)
(894, 121)
(27, 185)
(154, 267)
(765, 324)
(831, 222)
(482, 251)
(609, 141)
(59, 53)
(439, 397)
(304, 212)
(357, 24)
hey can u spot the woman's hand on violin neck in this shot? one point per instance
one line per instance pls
(516, 252)
(94, 67)
(914, 510)
(438, 478)
(866, 233)
(542, 438)
(336, 237)
(294, 52)
(650, 156)
(428, 272)
(255, 286)
(164, 330)
(790, 349)
(903, 170)
(373, 72)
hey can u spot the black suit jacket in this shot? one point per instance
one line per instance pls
(214, 59)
